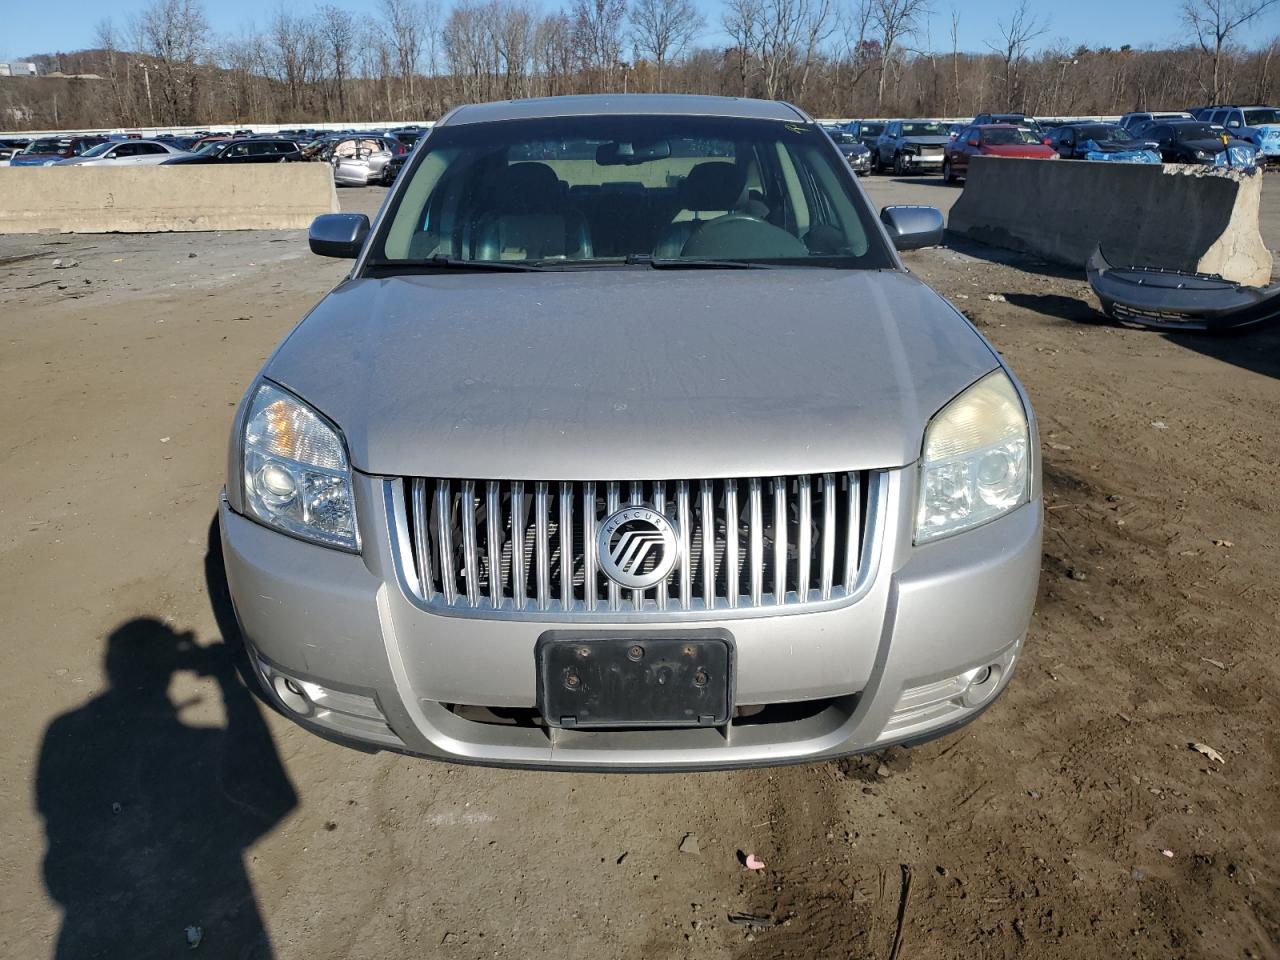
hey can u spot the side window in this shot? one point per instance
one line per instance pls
(238, 150)
(1234, 120)
(1218, 116)
(144, 149)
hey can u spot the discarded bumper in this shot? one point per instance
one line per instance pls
(1174, 300)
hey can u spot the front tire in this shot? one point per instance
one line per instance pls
(948, 176)
(898, 169)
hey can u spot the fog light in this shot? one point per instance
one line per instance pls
(291, 695)
(982, 684)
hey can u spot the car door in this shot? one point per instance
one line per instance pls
(1166, 145)
(888, 142)
(236, 153)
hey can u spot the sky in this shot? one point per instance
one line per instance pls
(27, 28)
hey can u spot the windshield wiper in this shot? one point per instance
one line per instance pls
(446, 263)
(690, 263)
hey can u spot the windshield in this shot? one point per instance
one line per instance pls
(1194, 131)
(871, 129)
(1007, 136)
(1253, 118)
(99, 150)
(580, 191)
(46, 146)
(924, 129)
(1104, 133)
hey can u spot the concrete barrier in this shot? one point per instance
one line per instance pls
(1180, 217)
(153, 199)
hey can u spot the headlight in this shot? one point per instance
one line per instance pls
(975, 465)
(296, 474)
(1203, 154)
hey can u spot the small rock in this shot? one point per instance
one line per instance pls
(1075, 574)
(194, 935)
(996, 298)
(1167, 853)
(115, 807)
(192, 256)
(63, 263)
(165, 439)
(1159, 424)
(1138, 874)
(883, 771)
(1033, 794)
(689, 844)
(1223, 543)
(448, 937)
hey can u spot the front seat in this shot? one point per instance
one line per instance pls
(716, 187)
(531, 219)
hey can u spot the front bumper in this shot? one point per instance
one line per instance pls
(919, 161)
(343, 650)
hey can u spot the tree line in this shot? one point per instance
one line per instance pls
(416, 59)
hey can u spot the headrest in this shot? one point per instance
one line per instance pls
(716, 185)
(529, 186)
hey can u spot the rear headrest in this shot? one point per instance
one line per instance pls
(716, 185)
(529, 186)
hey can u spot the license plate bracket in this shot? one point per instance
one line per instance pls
(643, 681)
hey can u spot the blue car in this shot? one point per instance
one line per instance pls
(1108, 142)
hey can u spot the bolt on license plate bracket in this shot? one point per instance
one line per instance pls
(617, 681)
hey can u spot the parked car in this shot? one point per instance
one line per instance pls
(868, 131)
(1091, 140)
(852, 149)
(408, 135)
(358, 161)
(391, 170)
(258, 150)
(1259, 125)
(10, 146)
(910, 146)
(991, 140)
(1194, 141)
(465, 518)
(1132, 121)
(1011, 119)
(125, 153)
(46, 151)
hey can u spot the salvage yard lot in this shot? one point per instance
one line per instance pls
(1074, 819)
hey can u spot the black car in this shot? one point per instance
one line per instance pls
(852, 149)
(1094, 140)
(868, 131)
(1194, 141)
(243, 151)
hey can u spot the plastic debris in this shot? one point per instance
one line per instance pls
(1167, 853)
(1159, 424)
(1208, 751)
(752, 862)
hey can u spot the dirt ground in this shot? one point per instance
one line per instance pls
(1073, 820)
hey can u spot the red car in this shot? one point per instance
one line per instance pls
(990, 140)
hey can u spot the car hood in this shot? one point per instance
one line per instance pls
(612, 374)
(938, 140)
(1018, 150)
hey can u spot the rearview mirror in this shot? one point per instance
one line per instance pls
(339, 235)
(626, 153)
(912, 227)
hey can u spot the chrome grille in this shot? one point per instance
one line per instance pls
(521, 547)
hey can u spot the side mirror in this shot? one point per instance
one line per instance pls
(339, 235)
(912, 227)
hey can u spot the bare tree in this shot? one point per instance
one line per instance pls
(403, 22)
(1016, 35)
(662, 30)
(338, 33)
(597, 39)
(175, 34)
(1214, 23)
(896, 20)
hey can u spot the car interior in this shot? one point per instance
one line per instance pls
(664, 199)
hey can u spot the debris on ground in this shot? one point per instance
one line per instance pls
(1208, 751)
(689, 844)
(1223, 543)
(750, 861)
(194, 935)
(1214, 663)
(996, 298)
(752, 920)
(1159, 424)
(63, 263)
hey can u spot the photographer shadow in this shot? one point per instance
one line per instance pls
(148, 818)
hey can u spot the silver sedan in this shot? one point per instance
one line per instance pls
(125, 153)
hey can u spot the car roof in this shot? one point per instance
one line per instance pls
(627, 104)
